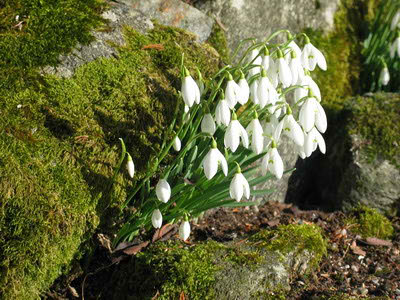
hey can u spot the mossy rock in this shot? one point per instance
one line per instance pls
(368, 222)
(257, 267)
(60, 144)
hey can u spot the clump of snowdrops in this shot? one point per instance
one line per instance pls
(228, 127)
(382, 50)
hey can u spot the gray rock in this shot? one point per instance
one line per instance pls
(259, 18)
(137, 14)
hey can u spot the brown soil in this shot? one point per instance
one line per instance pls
(353, 266)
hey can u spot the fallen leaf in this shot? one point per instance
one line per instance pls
(325, 275)
(123, 245)
(182, 296)
(373, 241)
(153, 46)
(357, 250)
(135, 249)
(273, 223)
(73, 291)
(156, 295)
(104, 241)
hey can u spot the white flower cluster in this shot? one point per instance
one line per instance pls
(262, 83)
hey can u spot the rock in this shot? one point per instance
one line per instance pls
(260, 266)
(259, 18)
(138, 15)
(361, 166)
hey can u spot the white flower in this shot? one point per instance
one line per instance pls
(295, 68)
(293, 130)
(395, 48)
(156, 218)
(285, 75)
(313, 139)
(311, 56)
(232, 92)
(130, 166)
(312, 113)
(293, 46)
(254, 59)
(245, 90)
(272, 130)
(184, 230)
(211, 160)
(395, 21)
(272, 73)
(266, 60)
(254, 92)
(163, 191)
(238, 187)
(208, 124)
(234, 133)
(254, 129)
(177, 144)
(384, 77)
(222, 113)
(266, 93)
(301, 92)
(272, 161)
(190, 90)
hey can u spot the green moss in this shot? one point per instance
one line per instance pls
(368, 222)
(376, 119)
(342, 49)
(289, 238)
(60, 145)
(217, 39)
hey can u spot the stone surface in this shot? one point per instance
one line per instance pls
(139, 15)
(259, 18)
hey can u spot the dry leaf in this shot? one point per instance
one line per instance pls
(378, 242)
(156, 295)
(104, 241)
(135, 249)
(182, 296)
(273, 223)
(357, 250)
(153, 46)
(325, 275)
(73, 292)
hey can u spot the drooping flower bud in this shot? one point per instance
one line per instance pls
(156, 218)
(130, 166)
(177, 144)
(184, 230)
(163, 191)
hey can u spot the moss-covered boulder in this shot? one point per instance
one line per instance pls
(362, 161)
(254, 268)
(59, 136)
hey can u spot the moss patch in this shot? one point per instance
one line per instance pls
(342, 49)
(60, 145)
(376, 119)
(217, 39)
(173, 268)
(368, 222)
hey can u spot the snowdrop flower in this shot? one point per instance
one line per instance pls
(239, 186)
(272, 162)
(208, 124)
(190, 90)
(395, 21)
(232, 92)
(211, 161)
(163, 191)
(266, 93)
(272, 73)
(156, 218)
(312, 113)
(130, 166)
(285, 75)
(306, 83)
(293, 47)
(384, 77)
(254, 59)
(266, 60)
(292, 130)
(222, 113)
(254, 92)
(200, 82)
(184, 230)
(177, 144)
(295, 68)
(395, 47)
(234, 133)
(186, 114)
(313, 139)
(272, 130)
(311, 56)
(254, 129)
(245, 90)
